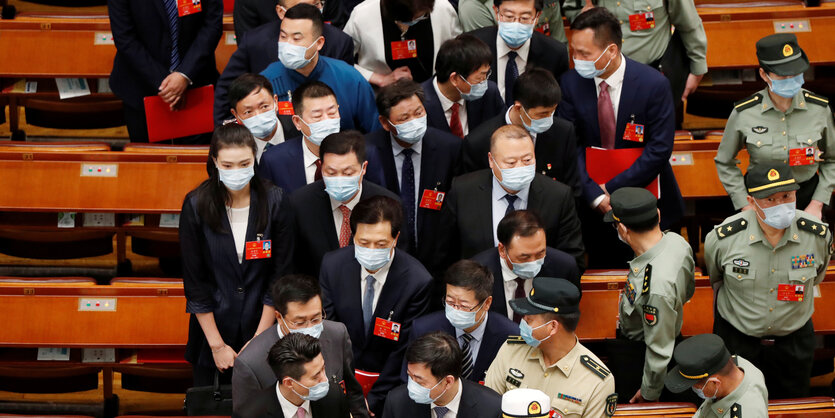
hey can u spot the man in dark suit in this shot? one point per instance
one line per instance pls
(160, 53)
(258, 49)
(460, 97)
(303, 388)
(522, 254)
(478, 201)
(298, 309)
(433, 158)
(527, 49)
(614, 103)
(435, 387)
(250, 14)
(375, 290)
(536, 96)
(323, 208)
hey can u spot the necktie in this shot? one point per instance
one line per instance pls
(467, 364)
(510, 200)
(455, 121)
(440, 411)
(407, 194)
(518, 294)
(368, 302)
(300, 413)
(510, 74)
(606, 117)
(345, 229)
(318, 174)
(267, 146)
(173, 22)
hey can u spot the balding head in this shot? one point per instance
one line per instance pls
(510, 147)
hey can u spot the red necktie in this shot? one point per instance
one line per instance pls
(606, 117)
(345, 230)
(518, 294)
(318, 174)
(455, 122)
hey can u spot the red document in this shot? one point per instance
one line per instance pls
(194, 118)
(605, 164)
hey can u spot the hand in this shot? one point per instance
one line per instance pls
(603, 186)
(369, 409)
(746, 207)
(691, 86)
(172, 88)
(815, 209)
(605, 205)
(224, 357)
(384, 80)
(638, 398)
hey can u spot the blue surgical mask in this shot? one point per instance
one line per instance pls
(526, 332)
(293, 56)
(476, 90)
(420, 394)
(320, 130)
(236, 178)
(461, 319)
(700, 392)
(779, 216)
(514, 34)
(372, 259)
(314, 331)
(314, 393)
(262, 125)
(341, 188)
(517, 178)
(528, 270)
(416, 21)
(538, 126)
(788, 87)
(412, 131)
(587, 69)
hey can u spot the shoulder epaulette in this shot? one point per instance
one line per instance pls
(747, 102)
(594, 366)
(730, 228)
(816, 99)
(647, 278)
(813, 227)
(736, 411)
(515, 339)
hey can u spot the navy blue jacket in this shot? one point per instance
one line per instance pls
(645, 96)
(478, 111)
(476, 402)
(545, 52)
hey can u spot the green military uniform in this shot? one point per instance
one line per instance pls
(475, 14)
(770, 134)
(749, 399)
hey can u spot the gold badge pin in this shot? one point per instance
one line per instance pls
(787, 50)
(534, 408)
(773, 174)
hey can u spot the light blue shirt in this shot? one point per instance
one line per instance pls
(397, 150)
(478, 336)
(499, 204)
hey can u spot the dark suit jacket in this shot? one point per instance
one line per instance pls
(556, 150)
(645, 94)
(557, 264)
(249, 14)
(478, 111)
(215, 282)
(252, 373)
(265, 404)
(545, 52)
(467, 219)
(259, 48)
(476, 402)
(143, 46)
(439, 161)
(315, 233)
(404, 297)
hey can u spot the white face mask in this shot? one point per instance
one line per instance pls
(700, 392)
(779, 216)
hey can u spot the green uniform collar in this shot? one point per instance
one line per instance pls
(755, 233)
(640, 262)
(722, 406)
(798, 102)
(565, 364)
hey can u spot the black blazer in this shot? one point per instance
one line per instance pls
(249, 14)
(265, 404)
(478, 111)
(544, 52)
(439, 161)
(467, 220)
(216, 283)
(259, 48)
(143, 47)
(557, 264)
(476, 402)
(314, 231)
(556, 151)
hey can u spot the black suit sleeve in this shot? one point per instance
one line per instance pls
(249, 14)
(127, 42)
(201, 52)
(447, 249)
(196, 276)
(571, 175)
(356, 400)
(569, 236)
(327, 292)
(346, 53)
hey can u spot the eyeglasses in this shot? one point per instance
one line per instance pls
(464, 308)
(307, 324)
(487, 77)
(525, 20)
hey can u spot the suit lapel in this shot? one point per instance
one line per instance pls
(534, 194)
(163, 13)
(494, 36)
(297, 164)
(499, 300)
(325, 217)
(250, 229)
(628, 89)
(484, 199)
(546, 143)
(433, 106)
(489, 344)
(351, 289)
(389, 167)
(590, 90)
(389, 295)
(428, 162)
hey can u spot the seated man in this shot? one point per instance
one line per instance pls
(435, 388)
(536, 95)
(250, 14)
(298, 309)
(521, 255)
(255, 106)
(375, 290)
(303, 388)
(460, 97)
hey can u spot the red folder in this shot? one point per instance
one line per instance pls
(604, 164)
(195, 118)
(366, 380)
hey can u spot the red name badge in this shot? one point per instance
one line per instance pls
(402, 50)
(791, 292)
(432, 199)
(633, 132)
(387, 329)
(285, 108)
(801, 156)
(642, 21)
(188, 7)
(256, 250)
(544, 28)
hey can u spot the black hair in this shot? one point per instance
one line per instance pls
(471, 276)
(522, 223)
(404, 10)
(288, 355)
(463, 54)
(309, 12)
(394, 93)
(375, 210)
(567, 321)
(299, 288)
(538, 5)
(310, 90)
(604, 24)
(342, 143)
(439, 352)
(644, 226)
(537, 87)
(245, 85)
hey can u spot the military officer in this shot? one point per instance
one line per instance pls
(729, 384)
(660, 281)
(475, 14)
(781, 122)
(526, 403)
(765, 263)
(547, 356)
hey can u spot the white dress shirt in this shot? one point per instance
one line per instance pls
(500, 204)
(238, 220)
(475, 342)
(501, 61)
(509, 122)
(288, 409)
(446, 104)
(337, 214)
(615, 82)
(379, 281)
(453, 405)
(277, 138)
(509, 279)
(309, 164)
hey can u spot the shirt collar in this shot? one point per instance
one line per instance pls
(477, 333)
(755, 233)
(499, 192)
(309, 157)
(455, 402)
(640, 262)
(335, 204)
(616, 79)
(445, 103)
(278, 328)
(507, 273)
(565, 364)
(397, 149)
(287, 407)
(502, 49)
(798, 103)
(314, 75)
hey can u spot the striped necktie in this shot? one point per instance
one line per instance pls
(173, 22)
(467, 364)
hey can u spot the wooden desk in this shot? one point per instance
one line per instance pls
(695, 169)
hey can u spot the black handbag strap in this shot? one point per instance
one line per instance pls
(216, 387)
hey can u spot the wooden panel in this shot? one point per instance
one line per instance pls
(700, 179)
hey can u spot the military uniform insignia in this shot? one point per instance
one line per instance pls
(534, 408)
(813, 227)
(556, 413)
(647, 278)
(773, 175)
(803, 261)
(730, 228)
(630, 292)
(759, 129)
(512, 381)
(570, 398)
(750, 101)
(611, 404)
(787, 50)
(650, 315)
(594, 366)
(516, 373)
(814, 98)
(736, 411)
(741, 266)
(515, 339)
